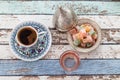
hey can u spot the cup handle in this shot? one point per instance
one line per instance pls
(41, 34)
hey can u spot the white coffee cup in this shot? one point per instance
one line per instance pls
(27, 36)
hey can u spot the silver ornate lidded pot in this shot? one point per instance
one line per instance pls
(64, 19)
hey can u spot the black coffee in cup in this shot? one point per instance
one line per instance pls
(27, 36)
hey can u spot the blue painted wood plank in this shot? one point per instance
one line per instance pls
(49, 7)
(52, 67)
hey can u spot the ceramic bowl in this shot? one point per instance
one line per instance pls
(96, 27)
(39, 50)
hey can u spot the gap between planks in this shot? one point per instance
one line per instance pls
(109, 36)
(103, 51)
(109, 25)
(52, 79)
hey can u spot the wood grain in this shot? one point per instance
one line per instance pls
(102, 52)
(52, 67)
(97, 8)
(49, 7)
(109, 23)
(92, 77)
(109, 36)
(10, 21)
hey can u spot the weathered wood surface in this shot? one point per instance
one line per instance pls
(109, 47)
(52, 67)
(102, 52)
(81, 7)
(95, 77)
(109, 23)
(49, 7)
(10, 21)
(109, 36)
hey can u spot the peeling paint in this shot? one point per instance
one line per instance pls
(22, 70)
(103, 12)
(55, 77)
(30, 78)
(115, 36)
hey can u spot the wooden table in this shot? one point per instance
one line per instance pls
(101, 64)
